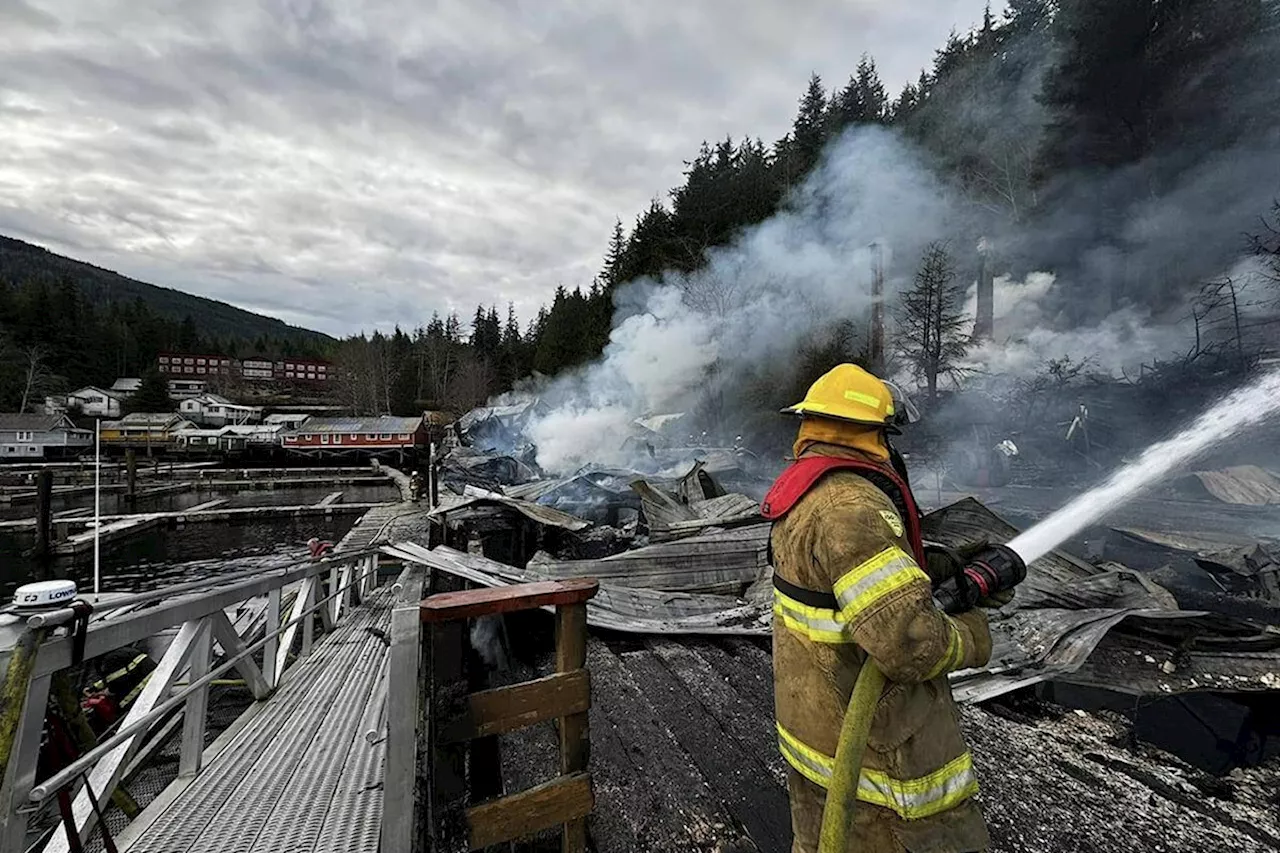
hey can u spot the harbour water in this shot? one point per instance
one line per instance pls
(197, 550)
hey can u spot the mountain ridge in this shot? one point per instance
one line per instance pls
(20, 261)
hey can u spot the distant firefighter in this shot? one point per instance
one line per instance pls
(319, 548)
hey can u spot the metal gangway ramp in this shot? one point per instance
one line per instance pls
(300, 770)
(303, 772)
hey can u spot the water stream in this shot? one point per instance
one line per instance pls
(1243, 408)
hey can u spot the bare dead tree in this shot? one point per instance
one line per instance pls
(1004, 178)
(471, 384)
(36, 377)
(931, 320)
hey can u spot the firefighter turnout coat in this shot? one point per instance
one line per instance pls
(848, 586)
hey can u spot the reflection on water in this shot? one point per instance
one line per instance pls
(167, 556)
(114, 503)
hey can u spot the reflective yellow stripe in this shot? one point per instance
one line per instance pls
(815, 623)
(810, 763)
(910, 799)
(950, 661)
(914, 799)
(865, 399)
(884, 573)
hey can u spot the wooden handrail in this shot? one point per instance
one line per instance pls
(490, 601)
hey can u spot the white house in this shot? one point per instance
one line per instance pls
(41, 437)
(90, 401)
(230, 438)
(216, 410)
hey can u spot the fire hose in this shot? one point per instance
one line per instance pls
(995, 570)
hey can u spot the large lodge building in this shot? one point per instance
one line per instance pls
(252, 369)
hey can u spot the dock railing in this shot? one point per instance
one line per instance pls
(421, 776)
(326, 590)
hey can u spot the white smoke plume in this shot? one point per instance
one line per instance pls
(1026, 338)
(754, 300)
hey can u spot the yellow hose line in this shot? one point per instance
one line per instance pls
(842, 794)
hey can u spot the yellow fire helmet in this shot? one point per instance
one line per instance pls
(848, 393)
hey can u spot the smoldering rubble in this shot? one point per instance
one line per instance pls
(677, 551)
(681, 673)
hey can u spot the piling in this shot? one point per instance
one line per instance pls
(131, 463)
(44, 516)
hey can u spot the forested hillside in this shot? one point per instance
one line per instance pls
(65, 324)
(1126, 146)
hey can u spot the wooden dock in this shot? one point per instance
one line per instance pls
(237, 513)
(108, 535)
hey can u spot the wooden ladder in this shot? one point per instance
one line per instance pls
(564, 696)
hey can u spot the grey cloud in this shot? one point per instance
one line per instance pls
(354, 164)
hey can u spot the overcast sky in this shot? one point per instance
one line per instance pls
(351, 164)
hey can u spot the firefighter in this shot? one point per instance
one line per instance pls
(851, 591)
(318, 549)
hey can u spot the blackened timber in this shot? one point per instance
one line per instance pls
(751, 729)
(504, 709)
(737, 774)
(649, 795)
(745, 665)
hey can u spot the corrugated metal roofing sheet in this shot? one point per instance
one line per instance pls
(615, 607)
(720, 562)
(537, 512)
(362, 426)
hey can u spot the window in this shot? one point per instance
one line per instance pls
(404, 436)
(324, 439)
(24, 436)
(200, 361)
(31, 450)
(386, 436)
(200, 370)
(355, 436)
(164, 359)
(191, 361)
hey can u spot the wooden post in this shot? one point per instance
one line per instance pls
(447, 763)
(131, 464)
(565, 800)
(571, 655)
(876, 347)
(44, 517)
(433, 480)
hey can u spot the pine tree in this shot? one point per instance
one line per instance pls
(873, 100)
(152, 395)
(611, 275)
(809, 132)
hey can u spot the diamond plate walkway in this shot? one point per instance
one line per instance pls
(298, 774)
